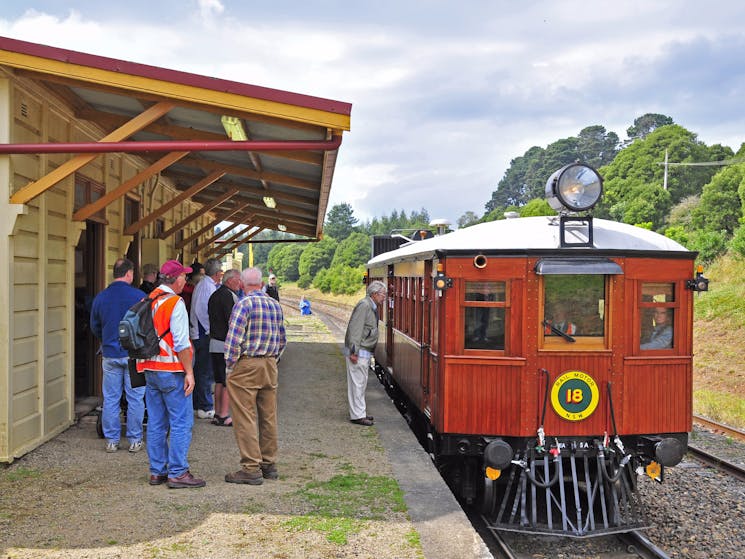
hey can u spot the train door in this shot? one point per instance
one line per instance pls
(391, 323)
(425, 310)
(88, 281)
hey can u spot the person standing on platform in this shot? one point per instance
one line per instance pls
(108, 308)
(200, 335)
(271, 288)
(169, 378)
(149, 278)
(359, 345)
(219, 307)
(256, 337)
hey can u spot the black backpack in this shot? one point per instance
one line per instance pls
(137, 331)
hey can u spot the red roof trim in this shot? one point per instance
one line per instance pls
(174, 76)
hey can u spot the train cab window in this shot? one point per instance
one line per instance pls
(657, 316)
(485, 306)
(574, 311)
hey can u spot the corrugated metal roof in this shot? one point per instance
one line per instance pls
(111, 92)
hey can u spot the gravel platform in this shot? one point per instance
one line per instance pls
(71, 499)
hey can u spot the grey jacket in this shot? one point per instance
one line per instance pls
(362, 330)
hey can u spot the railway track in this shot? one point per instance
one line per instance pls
(719, 427)
(715, 461)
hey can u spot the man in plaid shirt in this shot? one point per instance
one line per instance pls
(256, 337)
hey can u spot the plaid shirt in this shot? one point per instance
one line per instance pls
(257, 328)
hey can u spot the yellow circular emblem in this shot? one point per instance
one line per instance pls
(575, 395)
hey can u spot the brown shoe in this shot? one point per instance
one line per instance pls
(362, 421)
(270, 471)
(242, 476)
(185, 481)
(158, 479)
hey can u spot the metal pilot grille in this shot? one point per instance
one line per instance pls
(581, 501)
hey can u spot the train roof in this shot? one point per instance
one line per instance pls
(539, 235)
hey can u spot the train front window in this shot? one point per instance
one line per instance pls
(484, 321)
(574, 311)
(657, 316)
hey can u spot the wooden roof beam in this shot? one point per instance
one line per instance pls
(201, 211)
(201, 185)
(34, 189)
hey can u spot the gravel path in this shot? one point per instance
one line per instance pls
(69, 498)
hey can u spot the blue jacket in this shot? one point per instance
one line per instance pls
(108, 309)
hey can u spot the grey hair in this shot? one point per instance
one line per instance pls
(251, 276)
(376, 287)
(230, 274)
(212, 266)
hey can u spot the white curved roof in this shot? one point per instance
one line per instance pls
(537, 234)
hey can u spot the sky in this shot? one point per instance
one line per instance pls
(444, 94)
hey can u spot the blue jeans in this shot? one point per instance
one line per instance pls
(203, 377)
(116, 381)
(168, 408)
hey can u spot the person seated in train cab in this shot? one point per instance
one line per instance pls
(560, 321)
(661, 336)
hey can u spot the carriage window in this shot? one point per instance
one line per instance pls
(484, 325)
(657, 315)
(574, 307)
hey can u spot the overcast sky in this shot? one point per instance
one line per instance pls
(444, 94)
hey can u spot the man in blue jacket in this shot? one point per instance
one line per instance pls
(109, 307)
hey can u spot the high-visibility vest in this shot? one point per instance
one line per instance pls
(167, 359)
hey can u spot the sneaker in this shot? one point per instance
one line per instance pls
(112, 446)
(242, 476)
(209, 414)
(135, 446)
(185, 481)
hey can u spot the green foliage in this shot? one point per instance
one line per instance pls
(353, 251)
(681, 214)
(340, 221)
(397, 222)
(316, 256)
(737, 243)
(283, 259)
(646, 124)
(536, 207)
(709, 244)
(720, 207)
(467, 219)
(679, 234)
(339, 279)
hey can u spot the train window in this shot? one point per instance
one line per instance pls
(485, 308)
(574, 310)
(657, 316)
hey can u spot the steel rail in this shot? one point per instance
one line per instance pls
(718, 463)
(720, 427)
(639, 544)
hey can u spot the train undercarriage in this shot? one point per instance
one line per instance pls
(572, 487)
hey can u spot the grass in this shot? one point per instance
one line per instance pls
(342, 505)
(20, 473)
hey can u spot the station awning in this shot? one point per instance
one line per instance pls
(252, 155)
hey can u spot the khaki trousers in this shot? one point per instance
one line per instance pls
(252, 388)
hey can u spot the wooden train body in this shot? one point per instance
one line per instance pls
(534, 349)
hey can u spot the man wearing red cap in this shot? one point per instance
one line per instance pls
(170, 383)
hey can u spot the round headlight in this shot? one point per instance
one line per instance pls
(575, 187)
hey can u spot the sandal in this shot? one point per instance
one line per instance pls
(221, 421)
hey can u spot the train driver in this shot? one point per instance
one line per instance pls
(662, 333)
(561, 321)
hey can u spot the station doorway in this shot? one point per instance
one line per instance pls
(89, 280)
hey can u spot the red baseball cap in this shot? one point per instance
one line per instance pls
(174, 268)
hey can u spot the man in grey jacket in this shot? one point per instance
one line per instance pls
(359, 345)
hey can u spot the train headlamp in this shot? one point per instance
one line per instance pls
(575, 187)
(441, 281)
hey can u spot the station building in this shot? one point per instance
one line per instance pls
(103, 158)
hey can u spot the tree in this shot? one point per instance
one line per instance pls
(314, 257)
(646, 124)
(596, 147)
(340, 221)
(284, 258)
(353, 251)
(468, 218)
(536, 207)
(720, 208)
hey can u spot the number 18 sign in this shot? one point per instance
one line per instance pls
(575, 395)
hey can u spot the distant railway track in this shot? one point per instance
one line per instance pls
(719, 427)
